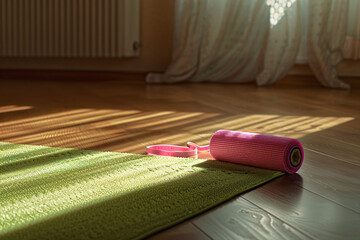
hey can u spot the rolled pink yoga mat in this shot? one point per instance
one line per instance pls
(258, 150)
(278, 153)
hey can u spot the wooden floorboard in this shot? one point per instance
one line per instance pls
(182, 231)
(240, 219)
(322, 201)
(334, 148)
(326, 177)
(306, 211)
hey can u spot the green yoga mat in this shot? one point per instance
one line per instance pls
(63, 193)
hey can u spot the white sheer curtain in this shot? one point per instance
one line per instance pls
(254, 40)
(283, 42)
(352, 44)
(325, 38)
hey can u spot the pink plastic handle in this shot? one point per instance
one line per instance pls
(192, 149)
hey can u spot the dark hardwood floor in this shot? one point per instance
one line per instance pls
(321, 201)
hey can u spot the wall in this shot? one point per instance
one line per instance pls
(156, 35)
(156, 24)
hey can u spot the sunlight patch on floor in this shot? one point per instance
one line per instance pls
(13, 108)
(132, 130)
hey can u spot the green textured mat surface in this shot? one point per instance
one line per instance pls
(62, 193)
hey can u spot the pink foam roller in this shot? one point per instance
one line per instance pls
(272, 152)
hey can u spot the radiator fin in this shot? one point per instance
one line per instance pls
(68, 28)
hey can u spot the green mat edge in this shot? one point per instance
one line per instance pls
(228, 198)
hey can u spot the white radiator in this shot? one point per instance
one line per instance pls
(69, 28)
